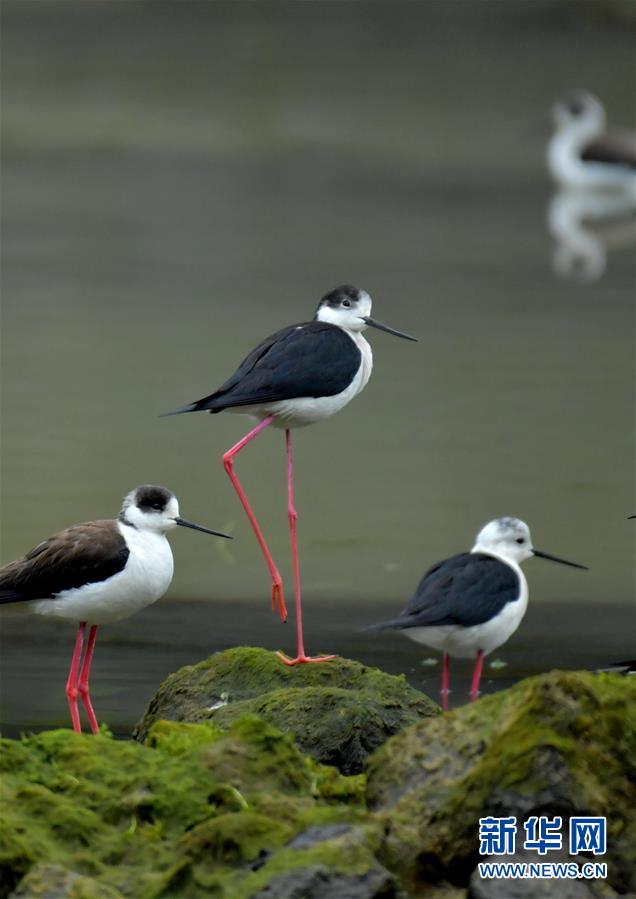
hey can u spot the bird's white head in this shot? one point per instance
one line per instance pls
(152, 508)
(505, 537)
(581, 114)
(349, 308)
(346, 306)
(509, 539)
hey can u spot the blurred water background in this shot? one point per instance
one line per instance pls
(181, 179)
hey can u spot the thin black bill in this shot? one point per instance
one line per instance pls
(182, 522)
(373, 324)
(541, 555)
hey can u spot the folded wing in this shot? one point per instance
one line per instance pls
(82, 554)
(305, 360)
(466, 590)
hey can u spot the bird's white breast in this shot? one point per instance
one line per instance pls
(143, 580)
(463, 642)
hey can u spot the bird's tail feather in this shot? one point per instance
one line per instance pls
(394, 625)
(204, 405)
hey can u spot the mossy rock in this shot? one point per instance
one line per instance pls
(194, 812)
(46, 881)
(563, 743)
(339, 711)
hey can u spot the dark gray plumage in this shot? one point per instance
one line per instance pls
(311, 359)
(467, 589)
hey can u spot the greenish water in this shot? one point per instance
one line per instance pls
(181, 179)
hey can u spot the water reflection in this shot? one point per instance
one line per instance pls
(586, 225)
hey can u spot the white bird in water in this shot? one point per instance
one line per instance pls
(471, 603)
(583, 154)
(98, 572)
(300, 375)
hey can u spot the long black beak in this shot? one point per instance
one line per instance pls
(373, 324)
(541, 555)
(197, 527)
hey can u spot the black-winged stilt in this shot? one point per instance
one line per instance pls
(300, 375)
(98, 572)
(582, 154)
(473, 602)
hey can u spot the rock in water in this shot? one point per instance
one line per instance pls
(338, 712)
(192, 813)
(563, 743)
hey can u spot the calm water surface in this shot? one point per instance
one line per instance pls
(180, 180)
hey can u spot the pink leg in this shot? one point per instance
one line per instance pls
(445, 680)
(479, 663)
(293, 532)
(228, 457)
(71, 684)
(84, 676)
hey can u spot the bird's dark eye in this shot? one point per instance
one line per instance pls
(157, 506)
(520, 540)
(346, 303)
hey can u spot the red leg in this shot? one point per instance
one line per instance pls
(479, 663)
(71, 684)
(445, 680)
(277, 582)
(84, 676)
(293, 532)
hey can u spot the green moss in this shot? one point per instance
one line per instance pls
(185, 808)
(46, 880)
(562, 740)
(338, 712)
(201, 810)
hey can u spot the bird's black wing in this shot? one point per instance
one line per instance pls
(82, 554)
(467, 589)
(615, 147)
(305, 360)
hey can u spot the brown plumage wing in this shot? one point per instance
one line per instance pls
(82, 554)
(617, 147)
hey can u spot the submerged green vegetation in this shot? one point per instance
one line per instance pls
(235, 810)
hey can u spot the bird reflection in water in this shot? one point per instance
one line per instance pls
(586, 225)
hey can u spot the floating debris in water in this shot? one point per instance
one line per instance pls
(496, 664)
(431, 661)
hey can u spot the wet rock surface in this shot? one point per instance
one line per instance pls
(317, 882)
(238, 811)
(45, 881)
(339, 711)
(560, 744)
(195, 811)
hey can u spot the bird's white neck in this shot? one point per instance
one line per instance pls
(503, 557)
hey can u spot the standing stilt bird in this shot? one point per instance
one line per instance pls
(98, 572)
(473, 602)
(298, 376)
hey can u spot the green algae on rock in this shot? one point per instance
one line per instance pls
(46, 881)
(189, 813)
(339, 712)
(562, 743)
